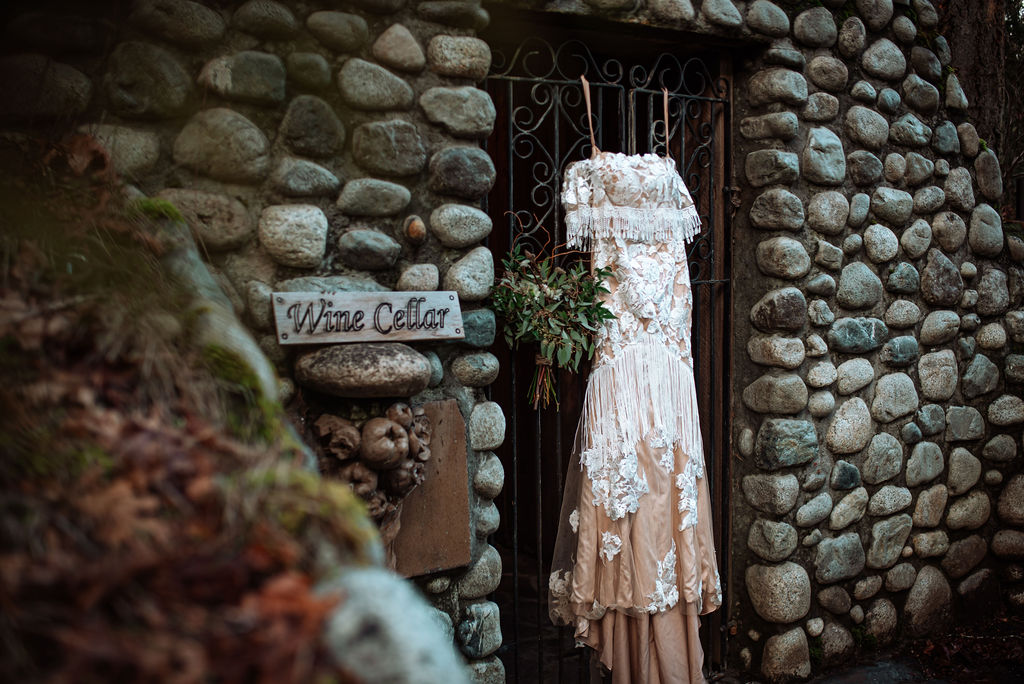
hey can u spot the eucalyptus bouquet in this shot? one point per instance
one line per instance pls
(558, 308)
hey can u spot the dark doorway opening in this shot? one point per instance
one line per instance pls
(542, 126)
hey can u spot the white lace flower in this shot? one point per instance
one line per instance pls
(666, 592)
(686, 483)
(574, 520)
(611, 545)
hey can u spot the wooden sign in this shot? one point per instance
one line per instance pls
(327, 317)
(435, 533)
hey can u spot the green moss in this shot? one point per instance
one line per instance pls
(815, 650)
(863, 639)
(1014, 229)
(156, 209)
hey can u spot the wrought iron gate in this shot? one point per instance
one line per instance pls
(541, 127)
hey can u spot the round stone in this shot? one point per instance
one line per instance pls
(891, 205)
(780, 310)
(777, 85)
(827, 212)
(829, 73)
(265, 19)
(835, 599)
(993, 293)
(864, 168)
(771, 167)
(398, 49)
(373, 197)
(224, 145)
(339, 31)
(294, 234)
(881, 243)
(459, 57)
(783, 257)
(867, 127)
(969, 512)
(883, 59)
(308, 70)
(867, 587)
(783, 394)
(920, 95)
(937, 373)
(902, 313)
(821, 404)
(887, 539)
(889, 101)
(839, 558)
(465, 112)
(964, 471)
(850, 429)
(904, 29)
(458, 225)
(821, 374)
(777, 209)
(782, 352)
(925, 464)
(927, 609)
(767, 18)
(859, 206)
(916, 239)
(783, 125)
(389, 148)
(931, 505)
(302, 178)
(368, 249)
(1000, 449)
(815, 27)
(849, 510)
(889, 499)
(364, 370)
(311, 128)
(486, 427)
(970, 143)
(218, 222)
(941, 282)
(143, 81)
(895, 397)
(857, 335)
(895, 166)
(822, 160)
(476, 369)
(483, 576)
(876, 13)
(472, 276)
(859, 287)
(929, 199)
(786, 656)
(980, 377)
(852, 37)
(418, 278)
(949, 231)
(772, 541)
(1006, 410)
(884, 459)
(959, 189)
(919, 168)
(179, 21)
(945, 140)
(862, 91)
(369, 86)
(820, 107)
(247, 76)
(986, 233)
(775, 494)
(465, 172)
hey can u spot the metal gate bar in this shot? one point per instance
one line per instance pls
(542, 126)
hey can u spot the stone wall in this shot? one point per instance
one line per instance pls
(311, 146)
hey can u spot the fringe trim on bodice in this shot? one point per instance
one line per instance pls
(638, 224)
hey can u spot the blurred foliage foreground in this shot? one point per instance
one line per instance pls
(155, 521)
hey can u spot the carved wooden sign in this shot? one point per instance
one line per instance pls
(328, 317)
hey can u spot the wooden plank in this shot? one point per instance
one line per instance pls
(435, 534)
(330, 317)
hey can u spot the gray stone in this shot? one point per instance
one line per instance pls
(963, 423)
(490, 476)
(142, 81)
(941, 282)
(323, 284)
(302, 178)
(939, 327)
(369, 86)
(927, 609)
(397, 48)
(889, 101)
(829, 73)
(368, 249)
(927, 17)
(247, 76)
(777, 209)
(881, 620)
(1011, 501)
(821, 404)
(895, 397)
(828, 255)
(903, 279)
(389, 148)
(1000, 449)
(1006, 410)
(785, 55)
(916, 239)
(980, 377)
(777, 85)
(909, 131)
(294, 234)
(1015, 325)
(772, 541)
(779, 593)
(857, 335)
(311, 128)
(815, 28)
(993, 337)
(859, 206)
(482, 577)
(782, 125)
(179, 21)
(876, 13)
(900, 577)
(1008, 544)
(852, 37)
(867, 127)
(309, 70)
(472, 276)
(820, 107)
(722, 13)
(782, 352)
(993, 293)
(864, 168)
(459, 57)
(784, 394)
(925, 63)
(814, 511)
(786, 656)
(364, 370)
(133, 152)
(902, 313)
(919, 168)
(816, 346)
(775, 494)
(218, 222)
(931, 505)
(854, 375)
(920, 95)
(925, 464)
(862, 91)
(465, 172)
(224, 145)
(930, 544)
(419, 278)
(454, 13)
(993, 478)
(767, 18)
(464, 112)
(964, 555)
(956, 99)
(782, 443)
(904, 29)
(937, 373)
(867, 587)
(881, 243)
(859, 287)
(958, 188)
(458, 225)
(844, 475)
(839, 558)
(911, 433)
(821, 374)
(673, 10)
(849, 510)
(822, 159)
(835, 599)
(480, 630)
(899, 351)
(884, 59)
(850, 429)
(949, 231)
(887, 539)
(771, 167)
(945, 140)
(892, 205)
(964, 471)
(373, 197)
(970, 143)
(778, 310)
(486, 428)
(889, 499)
(488, 518)
(929, 199)
(822, 284)
(986, 234)
(265, 19)
(480, 327)
(339, 31)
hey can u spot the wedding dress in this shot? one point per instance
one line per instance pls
(634, 562)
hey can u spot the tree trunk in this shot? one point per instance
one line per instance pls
(976, 32)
